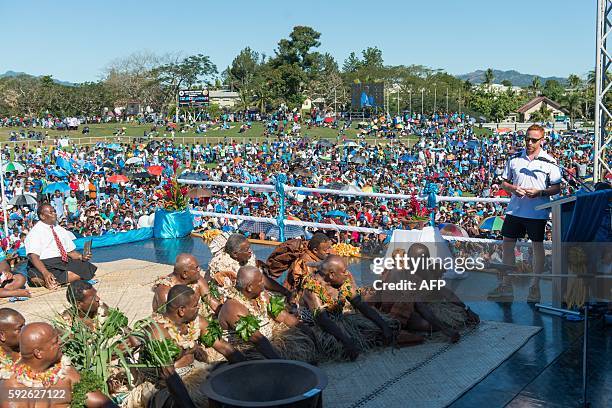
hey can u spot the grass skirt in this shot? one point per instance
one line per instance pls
(295, 344)
(151, 393)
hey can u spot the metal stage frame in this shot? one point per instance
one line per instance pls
(603, 89)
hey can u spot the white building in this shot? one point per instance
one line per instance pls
(224, 98)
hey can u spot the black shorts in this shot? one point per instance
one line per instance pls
(516, 227)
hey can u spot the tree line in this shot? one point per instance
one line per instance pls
(296, 71)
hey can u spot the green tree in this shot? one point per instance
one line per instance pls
(351, 63)
(572, 102)
(553, 90)
(574, 81)
(541, 115)
(488, 78)
(506, 82)
(372, 58)
(536, 85)
(241, 73)
(184, 73)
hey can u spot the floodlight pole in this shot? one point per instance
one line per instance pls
(410, 96)
(603, 61)
(422, 97)
(398, 92)
(447, 99)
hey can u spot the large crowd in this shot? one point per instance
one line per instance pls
(82, 185)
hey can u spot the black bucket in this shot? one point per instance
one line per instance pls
(266, 383)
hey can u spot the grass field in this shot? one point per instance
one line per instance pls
(105, 132)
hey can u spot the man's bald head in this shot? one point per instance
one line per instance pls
(186, 267)
(249, 281)
(332, 263)
(9, 317)
(11, 322)
(246, 275)
(35, 336)
(183, 261)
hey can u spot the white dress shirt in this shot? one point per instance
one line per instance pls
(40, 241)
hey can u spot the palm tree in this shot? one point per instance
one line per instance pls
(574, 81)
(536, 85)
(488, 78)
(572, 102)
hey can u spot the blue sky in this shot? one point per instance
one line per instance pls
(75, 40)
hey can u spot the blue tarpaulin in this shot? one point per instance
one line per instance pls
(172, 224)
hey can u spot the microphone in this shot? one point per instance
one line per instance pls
(571, 180)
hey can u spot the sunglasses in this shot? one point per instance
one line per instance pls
(533, 140)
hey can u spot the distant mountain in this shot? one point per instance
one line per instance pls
(515, 77)
(11, 74)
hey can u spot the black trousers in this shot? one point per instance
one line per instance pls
(59, 269)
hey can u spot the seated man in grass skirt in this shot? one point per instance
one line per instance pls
(236, 253)
(42, 367)
(187, 272)
(409, 307)
(52, 258)
(11, 323)
(325, 297)
(176, 337)
(252, 316)
(86, 309)
(447, 312)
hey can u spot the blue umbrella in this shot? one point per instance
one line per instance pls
(15, 216)
(52, 187)
(255, 227)
(408, 159)
(291, 231)
(472, 144)
(57, 173)
(89, 166)
(337, 213)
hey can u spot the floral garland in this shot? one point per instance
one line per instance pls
(47, 378)
(6, 365)
(184, 341)
(344, 293)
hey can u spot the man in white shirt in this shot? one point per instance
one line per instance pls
(52, 258)
(531, 177)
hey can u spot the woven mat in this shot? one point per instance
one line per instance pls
(125, 284)
(429, 375)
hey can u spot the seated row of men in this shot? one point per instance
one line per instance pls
(238, 297)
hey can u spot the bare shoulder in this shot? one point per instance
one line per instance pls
(72, 375)
(203, 285)
(230, 312)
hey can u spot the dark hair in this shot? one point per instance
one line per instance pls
(75, 291)
(317, 239)
(40, 207)
(179, 295)
(233, 243)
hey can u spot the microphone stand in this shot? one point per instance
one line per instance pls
(569, 176)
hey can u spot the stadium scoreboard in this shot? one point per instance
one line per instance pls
(193, 98)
